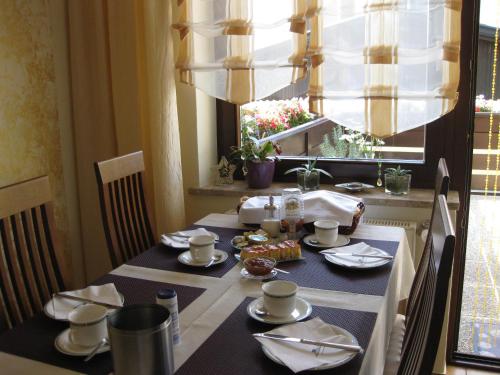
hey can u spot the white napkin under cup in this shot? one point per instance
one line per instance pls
(181, 241)
(106, 293)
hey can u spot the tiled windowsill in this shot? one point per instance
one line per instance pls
(417, 198)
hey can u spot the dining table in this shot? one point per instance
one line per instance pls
(216, 330)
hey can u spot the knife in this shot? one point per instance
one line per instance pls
(357, 255)
(271, 336)
(81, 299)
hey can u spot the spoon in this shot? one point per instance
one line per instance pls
(214, 259)
(261, 312)
(94, 351)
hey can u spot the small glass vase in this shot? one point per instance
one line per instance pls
(308, 180)
(397, 185)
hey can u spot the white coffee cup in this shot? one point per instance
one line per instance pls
(327, 231)
(279, 297)
(202, 248)
(88, 325)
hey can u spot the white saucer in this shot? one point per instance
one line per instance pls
(341, 356)
(64, 345)
(185, 258)
(359, 263)
(354, 189)
(302, 310)
(64, 307)
(248, 275)
(341, 241)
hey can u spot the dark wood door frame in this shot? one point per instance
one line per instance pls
(462, 181)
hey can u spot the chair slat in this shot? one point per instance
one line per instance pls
(120, 211)
(12, 304)
(37, 262)
(128, 216)
(12, 257)
(26, 262)
(123, 207)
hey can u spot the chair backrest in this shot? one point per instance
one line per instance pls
(422, 335)
(31, 262)
(123, 207)
(441, 187)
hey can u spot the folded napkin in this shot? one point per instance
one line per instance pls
(320, 204)
(181, 241)
(359, 248)
(299, 357)
(59, 307)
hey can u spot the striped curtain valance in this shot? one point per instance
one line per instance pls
(377, 66)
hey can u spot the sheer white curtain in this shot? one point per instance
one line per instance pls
(377, 66)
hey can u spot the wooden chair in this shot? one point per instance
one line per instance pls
(441, 187)
(31, 262)
(421, 336)
(123, 207)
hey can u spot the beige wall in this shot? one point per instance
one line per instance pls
(34, 129)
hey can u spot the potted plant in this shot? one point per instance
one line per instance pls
(258, 161)
(308, 175)
(397, 180)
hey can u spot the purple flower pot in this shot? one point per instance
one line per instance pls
(260, 174)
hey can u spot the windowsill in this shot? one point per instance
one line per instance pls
(417, 198)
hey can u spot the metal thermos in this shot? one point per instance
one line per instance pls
(141, 340)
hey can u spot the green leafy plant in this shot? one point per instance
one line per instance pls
(397, 171)
(253, 150)
(309, 168)
(397, 180)
(347, 143)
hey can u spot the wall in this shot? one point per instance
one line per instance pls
(30, 127)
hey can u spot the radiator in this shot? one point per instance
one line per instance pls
(411, 232)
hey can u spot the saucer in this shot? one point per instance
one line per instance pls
(64, 345)
(341, 241)
(65, 306)
(302, 310)
(185, 258)
(341, 356)
(248, 275)
(354, 188)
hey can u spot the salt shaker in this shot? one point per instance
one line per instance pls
(168, 299)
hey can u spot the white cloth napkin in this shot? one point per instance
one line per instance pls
(60, 307)
(299, 357)
(359, 248)
(320, 204)
(182, 241)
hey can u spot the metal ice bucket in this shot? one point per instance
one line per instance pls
(141, 340)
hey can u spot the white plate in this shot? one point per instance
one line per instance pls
(341, 241)
(248, 275)
(64, 307)
(302, 310)
(344, 355)
(64, 345)
(183, 242)
(185, 258)
(354, 189)
(359, 263)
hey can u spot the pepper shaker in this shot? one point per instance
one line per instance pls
(168, 299)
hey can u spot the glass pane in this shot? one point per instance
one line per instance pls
(302, 134)
(479, 332)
